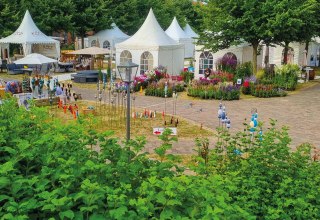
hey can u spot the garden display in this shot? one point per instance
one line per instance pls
(158, 88)
(284, 79)
(219, 85)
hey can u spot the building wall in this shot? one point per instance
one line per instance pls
(244, 54)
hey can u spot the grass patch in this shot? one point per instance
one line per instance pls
(303, 86)
(112, 118)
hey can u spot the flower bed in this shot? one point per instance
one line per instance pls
(225, 92)
(158, 88)
(267, 91)
(155, 75)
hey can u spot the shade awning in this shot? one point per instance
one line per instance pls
(91, 51)
(35, 59)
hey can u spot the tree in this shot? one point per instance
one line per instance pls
(9, 17)
(130, 14)
(293, 21)
(233, 22)
(50, 15)
(90, 16)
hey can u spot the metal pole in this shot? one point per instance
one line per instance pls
(128, 104)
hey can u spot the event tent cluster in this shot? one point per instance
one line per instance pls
(150, 47)
(175, 32)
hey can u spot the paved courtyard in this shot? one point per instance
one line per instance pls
(299, 111)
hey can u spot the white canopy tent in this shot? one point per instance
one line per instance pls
(108, 38)
(35, 59)
(175, 32)
(190, 32)
(32, 39)
(150, 47)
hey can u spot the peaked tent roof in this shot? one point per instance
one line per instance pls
(189, 32)
(175, 31)
(28, 32)
(114, 32)
(149, 34)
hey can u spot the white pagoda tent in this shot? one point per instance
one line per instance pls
(190, 32)
(32, 40)
(150, 47)
(175, 32)
(108, 38)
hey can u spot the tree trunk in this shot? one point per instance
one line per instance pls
(254, 56)
(82, 42)
(285, 53)
(266, 58)
(306, 48)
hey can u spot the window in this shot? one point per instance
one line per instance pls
(146, 62)
(125, 56)
(206, 61)
(106, 44)
(230, 56)
(93, 43)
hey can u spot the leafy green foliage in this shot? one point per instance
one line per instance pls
(264, 176)
(53, 171)
(285, 77)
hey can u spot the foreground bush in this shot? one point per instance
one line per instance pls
(49, 170)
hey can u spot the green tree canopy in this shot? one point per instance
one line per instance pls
(9, 17)
(293, 21)
(90, 16)
(50, 15)
(233, 22)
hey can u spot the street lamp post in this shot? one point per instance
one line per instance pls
(127, 78)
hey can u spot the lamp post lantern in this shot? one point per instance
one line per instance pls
(127, 76)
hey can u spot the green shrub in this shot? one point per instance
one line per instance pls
(285, 77)
(243, 70)
(50, 170)
(187, 76)
(265, 176)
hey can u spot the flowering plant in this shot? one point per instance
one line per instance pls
(266, 91)
(223, 76)
(225, 91)
(158, 88)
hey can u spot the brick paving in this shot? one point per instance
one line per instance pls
(299, 111)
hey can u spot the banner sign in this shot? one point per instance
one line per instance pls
(159, 131)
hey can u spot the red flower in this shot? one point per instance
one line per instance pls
(246, 84)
